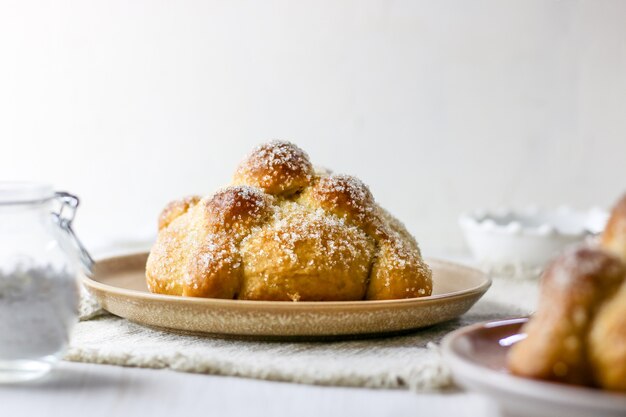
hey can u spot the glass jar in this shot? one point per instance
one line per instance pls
(40, 259)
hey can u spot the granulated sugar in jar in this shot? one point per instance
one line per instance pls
(40, 259)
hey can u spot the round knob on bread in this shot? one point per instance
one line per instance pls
(236, 205)
(175, 209)
(277, 167)
(347, 197)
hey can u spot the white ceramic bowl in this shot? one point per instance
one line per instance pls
(525, 239)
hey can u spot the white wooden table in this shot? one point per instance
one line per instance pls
(77, 389)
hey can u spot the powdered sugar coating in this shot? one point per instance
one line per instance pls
(344, 196)
(292, 226)
(580, 264)
(311, 247)
(236, 206)
(285, 233)
(277, 167)
(176, 209)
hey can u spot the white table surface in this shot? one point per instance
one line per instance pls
(81, 390)
(78, 389)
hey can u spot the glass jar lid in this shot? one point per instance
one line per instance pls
(24, 192)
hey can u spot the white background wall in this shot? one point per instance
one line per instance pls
(440, 106)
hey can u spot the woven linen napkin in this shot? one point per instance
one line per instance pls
(407, 361)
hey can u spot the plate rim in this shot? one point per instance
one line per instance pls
(520, 387)
(287, 305)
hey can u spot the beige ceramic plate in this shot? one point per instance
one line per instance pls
(119, 285)
(477, 356)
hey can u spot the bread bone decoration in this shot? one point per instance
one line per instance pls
(578, 334)
(282, 231)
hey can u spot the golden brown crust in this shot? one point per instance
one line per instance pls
(572, 290)
(607, 339)
(176, 209)
(398, 272)
(214, 269)
(222, 221)
(392, 224)
(279, 168)
(236, 207)
(165, 268)
(306, 256)
(259, 241)
(346, 197)
(614, 236)
(607, 343)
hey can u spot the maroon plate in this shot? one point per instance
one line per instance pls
(476, 356)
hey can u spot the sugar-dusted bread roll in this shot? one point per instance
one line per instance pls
(607, 343)
(578, 334)
(607, 339)
(284, 231)
(573, 288)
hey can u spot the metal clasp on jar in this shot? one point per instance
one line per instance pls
(64, 217)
